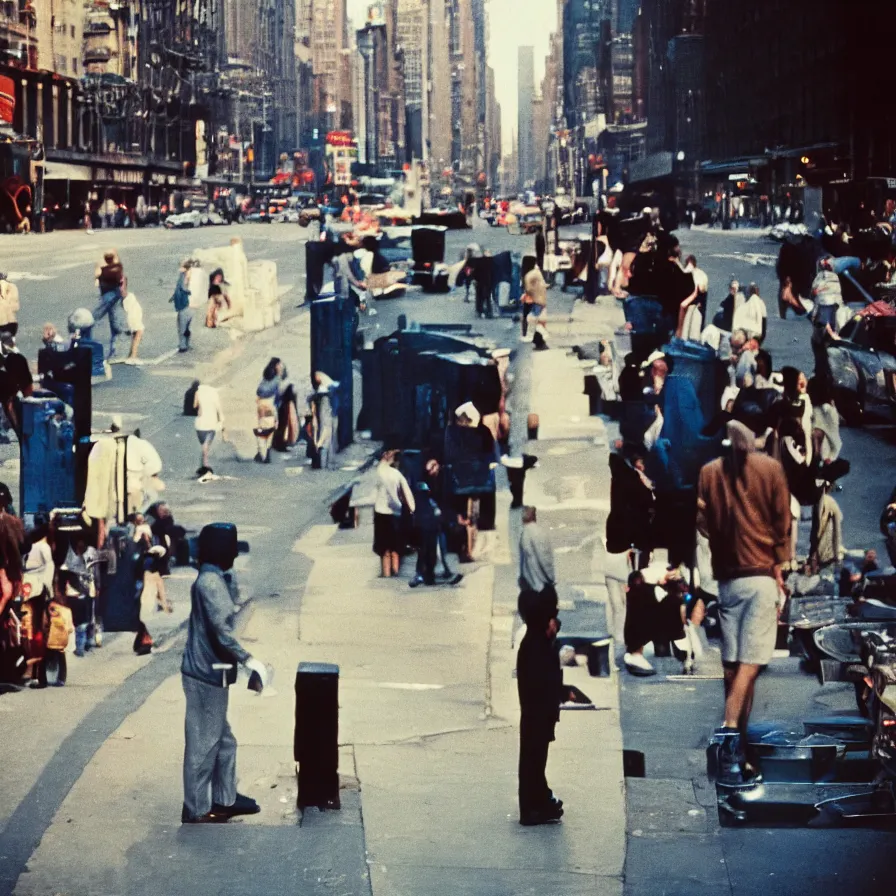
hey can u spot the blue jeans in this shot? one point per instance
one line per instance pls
(111, 304)
(846, 263)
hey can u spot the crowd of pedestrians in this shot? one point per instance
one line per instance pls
(53, 574)
(726, 462)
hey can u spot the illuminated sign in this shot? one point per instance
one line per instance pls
(7, 99)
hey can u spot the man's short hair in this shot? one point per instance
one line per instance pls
(529, 513)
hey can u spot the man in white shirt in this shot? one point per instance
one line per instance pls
(751, 315)
(209, 421)
(826, 289)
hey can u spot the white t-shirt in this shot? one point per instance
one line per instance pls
(750, 315)
(38, 568)
(701, 281)
(208, 403)
(826, 288)
(391, 486)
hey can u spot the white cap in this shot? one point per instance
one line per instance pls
(468, 410)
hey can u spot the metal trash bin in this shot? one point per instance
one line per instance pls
(598, 657)
(316, 736)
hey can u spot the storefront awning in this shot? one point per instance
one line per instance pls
(654, 166)
(733, 166)
(66, 171)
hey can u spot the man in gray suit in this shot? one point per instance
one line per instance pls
(209, 666)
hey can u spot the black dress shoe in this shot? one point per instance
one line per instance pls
(540, 816)
(211, 817)
(242, 805)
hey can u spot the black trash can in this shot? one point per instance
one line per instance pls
(598, 656)
(316, 738)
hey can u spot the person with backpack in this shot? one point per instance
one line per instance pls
(181, 301)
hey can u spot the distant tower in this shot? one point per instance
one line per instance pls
(526, 97)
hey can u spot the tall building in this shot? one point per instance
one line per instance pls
(440, 85)
(805, 94)
(326, 24)
(493, 131)
(413, 41)
(109, 45)
(626, 13)
(480, 55)
(584, 59)
(60, 30)
(464, 99)
(383, 88)
(622, 62)
(525, 133)
(19, 35)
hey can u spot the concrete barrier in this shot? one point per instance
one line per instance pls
(252, 287)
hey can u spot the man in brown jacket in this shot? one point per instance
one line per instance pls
(743, 508)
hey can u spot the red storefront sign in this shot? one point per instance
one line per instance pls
(7, 99)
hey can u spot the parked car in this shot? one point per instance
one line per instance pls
(213, 218)
(190, 218)
(863, 363)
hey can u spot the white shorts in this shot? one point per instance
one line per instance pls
(134, 313)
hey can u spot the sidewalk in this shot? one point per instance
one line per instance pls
(428, 724)
(49, 723)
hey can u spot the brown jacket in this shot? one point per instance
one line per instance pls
(747, 524)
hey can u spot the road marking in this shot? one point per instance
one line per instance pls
(152, 362)
(27, 275)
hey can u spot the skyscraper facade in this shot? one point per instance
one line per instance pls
(414, 41)
(440, 85)
(525, 133)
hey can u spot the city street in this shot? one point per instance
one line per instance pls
(426, 685)
(546, 452)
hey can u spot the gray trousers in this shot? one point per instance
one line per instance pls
(184, 319)
(209, 749)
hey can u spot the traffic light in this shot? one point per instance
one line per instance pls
(250, 154)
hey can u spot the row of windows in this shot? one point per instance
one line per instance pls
(61, 64)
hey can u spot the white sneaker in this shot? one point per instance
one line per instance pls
(638, 665)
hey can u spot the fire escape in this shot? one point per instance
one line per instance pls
(178, 81)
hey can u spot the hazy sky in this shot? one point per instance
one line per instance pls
(513, 23)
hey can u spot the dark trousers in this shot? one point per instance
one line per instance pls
(52, 666)
(535, 738)
(647, 619)
(427, 555)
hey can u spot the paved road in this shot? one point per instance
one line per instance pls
(667, 720)
(272, 506)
